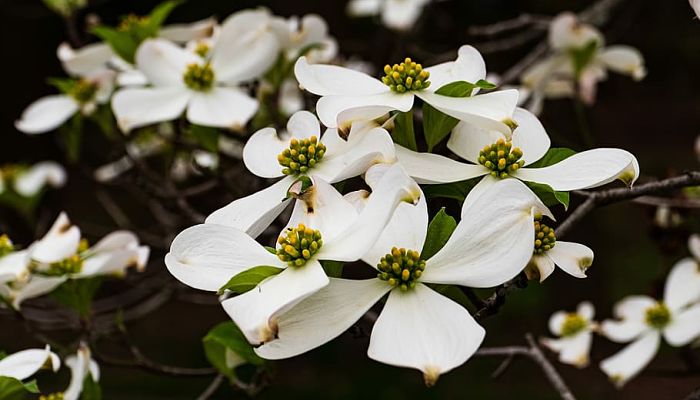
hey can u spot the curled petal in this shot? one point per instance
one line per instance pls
(46, 114)
(46, 172)
(324, 80)
(631, 360)
(469, 66)
(85, 60)
(333, 109)
(25, 363)
(573, 258)
(59, 243)
(625, 60)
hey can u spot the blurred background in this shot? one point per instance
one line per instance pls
(657, 119)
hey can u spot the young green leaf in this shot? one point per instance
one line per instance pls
(227, 336)
(403, 133)
(250, 278)
(91, 389)
(439, 231)
(334, 269)
(13, 389)
(583, 56)
(206, 136)
(77, 294)
(549, 196)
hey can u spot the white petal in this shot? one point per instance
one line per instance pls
(254, 213)
(585, 170)
(182, 33)
(85, 60)
(23, 364)
(573, 350)
(471, 257)
(623, 331)
(633, 307)
(694, 246)
(112, 262)
(625, 60)
(137, 107)
(46, 114)
(695, 4)
(566, 32)
(221, 107)
(14, 266)
(291, 99)
(322, 316)
(488, 111)
(586, 310)
(260, 153)
(631, 360)
(256, 311)
(682, 284)
(530, 136)
(394, 188)
(331, 108)
(359, 154)
(469, 66)
(303, 124)
(544, 265)
(363, 8)
(684, 326)
(484, 185)
(117, 240)
(59, 243)
(424, 330)
(428, 168)
(556, 321)
(35, 287)
(324, 80)
(206, 256)
(80, 365)
(467, 140)
(163, 62)
(132, 77)
(46, 172)
(401, 14)
(573, 258)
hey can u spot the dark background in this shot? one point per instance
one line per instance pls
(656, 119)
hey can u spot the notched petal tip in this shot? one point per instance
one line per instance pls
(431, 374)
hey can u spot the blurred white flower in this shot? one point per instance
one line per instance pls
(644, 320)
(296, 35)
(207, 88)
(29, 181)
(324, 226)
(23, 364)
(348, 95)
(396, 14)
(81, 365)
(685, 276)
(327, 157)
(696, 6)
(575, 332)
(418, 327)
(666, 217)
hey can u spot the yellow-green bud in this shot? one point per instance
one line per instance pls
(297, 245)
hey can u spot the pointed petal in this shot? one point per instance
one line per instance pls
(222, 107)
(254, 213)
(137, 107)
(684, 327)
(585, 170)
(394, 188)
(488, 111)
(484, 185)
(85, 60)
(182, 33)
(424, 330)
(331, 108)
(530, 136)
(163, 62)
(23, 364)
(46, 172)
(572, 258)
(46, 114)
(261, 151)
(625, 60)
(631, 360)
(59, 243)
(256, 311)
(682, 284)
(428, 168)
(471, 257)
(469, 66)
(206, 256)
(322, 317)
(324, 80)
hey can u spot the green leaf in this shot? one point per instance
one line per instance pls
(436, 124)
(31, 386)
(73, 137)
(334, 269)
(225, 336)
(583, 56)
(484, 84)
(64, 85)
(91, 389)
(248, 279)
(439, 231)
(403, 133)
(549, 196)
(13, 389)
(455, 190)
(553, 156)
(160, 13)
(77, 294)
(123, 43)
(206, 136)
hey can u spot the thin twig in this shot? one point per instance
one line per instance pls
(213, 386)
(521, 21)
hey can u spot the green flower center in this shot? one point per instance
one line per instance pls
(83, 91)
(401, 268)
(199, 77)
(52, 396)
(6, 246)
(70, 265)
(406, 77)
(657, 316)
(501, 158)
(132, 21)
(297, 245)
(301, 155)
(573, 324)
(202, 49)
(545, 238)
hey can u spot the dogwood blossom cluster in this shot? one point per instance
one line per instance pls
(639, 319)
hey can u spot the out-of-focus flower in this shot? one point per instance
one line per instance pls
(666, 217)
(579, 61)
(81, 367)
(207, 88)
(644, 320)
(695, 4)
(572, 258)
(324, 226)
(685, 276)
(418, 327)
(23, 364)
(575, 332)
(29, 181)
(296, 35)
(395, 14)
(327, 157)
(348, 95)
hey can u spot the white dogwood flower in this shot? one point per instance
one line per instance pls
(29, 181)
(295, 35)
(395, 14)
(23, 364)
(497, 156)
(418, 327)
(685, 276)
(575, 332)
(299, 151)
(324, 226)
(208, 88)
(572, 258)
(348, 95)
(644, 320)
(81, 365)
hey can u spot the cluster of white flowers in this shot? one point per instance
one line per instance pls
(640, 319)
(61, 255)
